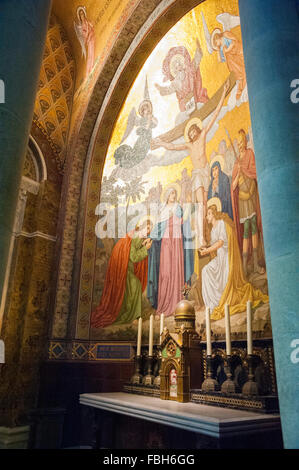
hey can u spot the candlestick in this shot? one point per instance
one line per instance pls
(161, 326)
(151, 336)
(157, 380)
(249, 329)
(139, 336)
(210, 384)
(149, 378)
(250, 387)
(227, 330)
(228, 386)
(208, 332)
(137, 377)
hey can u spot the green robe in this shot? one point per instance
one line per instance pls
(131, 306)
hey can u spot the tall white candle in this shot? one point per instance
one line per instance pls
(227, 331)
(208, 332)
(139, 334)
(151, 336)
(161, 326)
(249, 328)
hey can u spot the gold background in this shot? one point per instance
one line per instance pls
(166, 108)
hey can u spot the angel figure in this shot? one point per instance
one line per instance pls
(228, 47)
(184, 76)
(127, 156)
(85, 33)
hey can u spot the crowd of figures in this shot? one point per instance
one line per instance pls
(156, 259)
(216, 243)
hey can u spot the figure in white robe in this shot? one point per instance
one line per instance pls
(223, 279)
(215, 273)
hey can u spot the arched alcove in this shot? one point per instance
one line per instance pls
(190, 34)
(148, 23)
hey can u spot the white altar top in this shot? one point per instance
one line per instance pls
(204, 419)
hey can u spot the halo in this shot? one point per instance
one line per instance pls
(144, 218)
(190, 123)
(173, 59)
(174, 186)
(143, 103)
(218, 158)
(215, 201)
(215, 31)
(80, 8)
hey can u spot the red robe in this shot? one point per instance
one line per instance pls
(248, 168)
(115, 283)
(193, 81)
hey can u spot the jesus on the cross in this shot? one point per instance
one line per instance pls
(195, 136)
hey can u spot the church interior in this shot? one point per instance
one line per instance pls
(149, 224)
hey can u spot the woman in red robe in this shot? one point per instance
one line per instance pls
(125, 280)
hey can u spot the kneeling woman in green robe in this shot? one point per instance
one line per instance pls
(126, 279)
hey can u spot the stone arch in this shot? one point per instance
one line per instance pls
(87, 156)
(38, 159)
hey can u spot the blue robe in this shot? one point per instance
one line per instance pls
(154, 256)
(223, 190)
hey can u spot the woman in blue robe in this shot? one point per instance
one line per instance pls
(220, 187)
(171, 249)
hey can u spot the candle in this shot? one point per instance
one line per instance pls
(161, 326)
(227, 330)
(208, 332)
(249, 329)
(139, 336)
(151, 336)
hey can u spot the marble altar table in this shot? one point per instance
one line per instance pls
(212, 425)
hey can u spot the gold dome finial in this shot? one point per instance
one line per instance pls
(184, 315)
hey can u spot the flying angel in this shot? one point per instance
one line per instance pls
(127, 156)
(228, 47)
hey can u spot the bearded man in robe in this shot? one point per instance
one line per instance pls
(246, 205)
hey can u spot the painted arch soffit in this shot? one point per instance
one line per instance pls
(107, 139)
(65, 301)
(163, 18)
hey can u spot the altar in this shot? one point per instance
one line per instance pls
(122, 420)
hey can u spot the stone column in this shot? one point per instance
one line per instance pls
(270, 39)
(23, 28)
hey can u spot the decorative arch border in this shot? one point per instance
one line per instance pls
(38, 156)
(81, 194)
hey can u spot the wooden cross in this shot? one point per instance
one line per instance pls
(201, 113)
